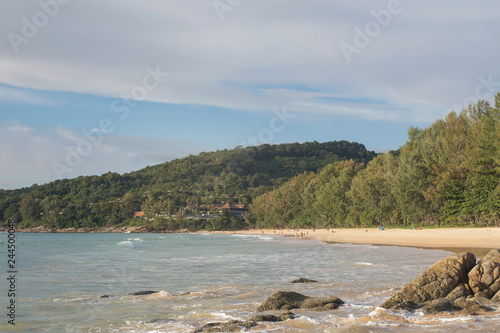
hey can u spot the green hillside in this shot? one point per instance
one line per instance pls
(447, 174)
(236, 175)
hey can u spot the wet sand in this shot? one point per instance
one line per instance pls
(475, 240)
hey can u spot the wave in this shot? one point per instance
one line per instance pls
(126, 243)
(135, 239)
(261, 237)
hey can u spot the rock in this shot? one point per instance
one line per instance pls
(496, 298)
(287, 300)
(407, 305)
(286, 315)
(268, 317)
(145, 292)
(438, 305)
(230, 326)
(303, 280)
(462, 290)
(472, 305)
(104, 296)
(484, 279)
(265, 317)
(436, 282)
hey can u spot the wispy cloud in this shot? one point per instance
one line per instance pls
(27, 154)
(423, 60)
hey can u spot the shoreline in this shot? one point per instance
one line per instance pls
(476, 240)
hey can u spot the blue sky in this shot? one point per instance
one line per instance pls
(88, 87)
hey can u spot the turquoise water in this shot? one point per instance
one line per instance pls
(202, 278)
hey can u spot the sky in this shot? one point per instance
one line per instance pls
(88, 87)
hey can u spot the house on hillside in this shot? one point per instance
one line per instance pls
(237, 210)
(139, 214)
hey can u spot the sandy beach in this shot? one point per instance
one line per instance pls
(476, 240)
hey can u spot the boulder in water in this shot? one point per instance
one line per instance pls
(288, 300)
(436, 282)
(230, 326)
(144, 292)
(303, 280)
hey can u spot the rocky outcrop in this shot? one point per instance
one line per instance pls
(269, 317)
(288, 300)
(303, 280)
(436, 282)
(484, 279)
(230, 326)
(454, 283)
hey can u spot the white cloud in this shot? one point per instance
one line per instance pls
(27, 155)
(429, 55)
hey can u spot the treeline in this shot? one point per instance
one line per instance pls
(236, 175)
(447, 174)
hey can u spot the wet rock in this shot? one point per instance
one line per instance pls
(484, 279)
(286, 315)
(438, 305)
(230, 326)
(269, 317)
(407, 305)
(145, 292)
(265, 317)
(104, 296)
(436, 282)
(472, 305)
(303, 280)
(288, 300)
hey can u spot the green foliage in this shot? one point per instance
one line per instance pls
(161, 191)
(447, 173)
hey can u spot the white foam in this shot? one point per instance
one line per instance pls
(363, 263)
(135, 239)
(126, 243)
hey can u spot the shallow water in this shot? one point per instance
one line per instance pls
(204, 278)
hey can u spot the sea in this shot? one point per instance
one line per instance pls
(202, 278)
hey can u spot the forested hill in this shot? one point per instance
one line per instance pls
(446, 174)
(236, 175)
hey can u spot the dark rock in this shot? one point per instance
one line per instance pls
(436, 282)
(230, 326)
(303, 280)
(287, 300)
(265, 317)
(286, 315)
(484, 279)
(438, 305)
(104, 296)
(407, 305)
(145, 292)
